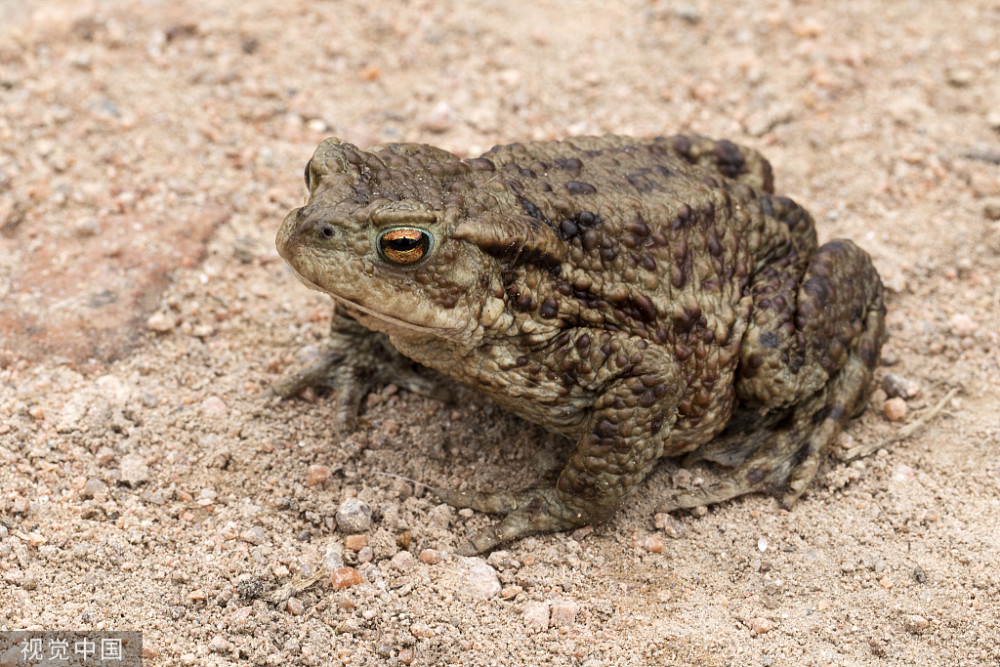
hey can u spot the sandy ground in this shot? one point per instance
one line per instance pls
(148, 481)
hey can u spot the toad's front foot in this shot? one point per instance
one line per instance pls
(354, 362)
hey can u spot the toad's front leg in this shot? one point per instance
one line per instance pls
(354, 362)
(630, 420)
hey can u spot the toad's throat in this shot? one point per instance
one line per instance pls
(367, 316)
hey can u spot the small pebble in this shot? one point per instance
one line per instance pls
(564, 613)
(92, 488)
(294, 606)
(992, 211)
(354, 516)
(669, 525)
(197, 595)
(213, 406)
(403, 561)
(356, 542)
(160, 322)
(962, 325)
(441, 118)
(653, 544)
(365, 555)
(898, 386)
(761, 626)
(317, 475)
(895, 409)
(255, 536)
(134, 470)
(536, 616)
(430, 556)
(345, 577)
(903, 473)
(915, 624)
(219, 644)
(105, 456)
(480, 580)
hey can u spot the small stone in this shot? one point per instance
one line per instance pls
(962, 325)
(481, 580)
(160, 322)
(762, 544)
(915, 623)
(213, 406)
(895, 409)
(294, 606)
(345, 577)
(317, 475)
(903, 473)
(134, 470)
(255, 536)
(354, 516)
(898, 386)
(441, 118)
(356, 542)
(536, 616)
(405, 655)
(197, 595)
(219, 644)
(669, 525)
(105, 456)
(149, 650)
(403, 561)
(508, 592)
(564, 613)
(992, 211)
(430, 556)
(761, 626)
(653, 544)
(93, 487)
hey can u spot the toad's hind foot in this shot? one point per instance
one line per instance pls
(779, 452)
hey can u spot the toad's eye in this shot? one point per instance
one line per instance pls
(404, 245)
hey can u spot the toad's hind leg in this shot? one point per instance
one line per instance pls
(812, 385)
(617, 447)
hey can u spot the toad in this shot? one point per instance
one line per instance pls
(646, 298)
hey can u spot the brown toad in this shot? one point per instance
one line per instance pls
(646, 298)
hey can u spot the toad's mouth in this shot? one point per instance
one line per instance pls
(366, 316)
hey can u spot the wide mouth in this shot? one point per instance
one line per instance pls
(356, 308)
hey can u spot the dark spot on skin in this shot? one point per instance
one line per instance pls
(531, 209)
(572, 165)
(522, 361)
(752, 366)
(770, 340)
(606, 429)
(638, 228)
(583, 342)
(686, 320)
(579, 483)
(549, 308)
(568, 229)
(481, 164)
(590, 240)
(685, 217)
(641, 308)
(715, 247)
(730, 158)
(640, 181)
(819, 289)
(580, 188)
(524, 302)
(682, 146)
(608, 255)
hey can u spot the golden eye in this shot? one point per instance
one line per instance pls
(404, 245)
